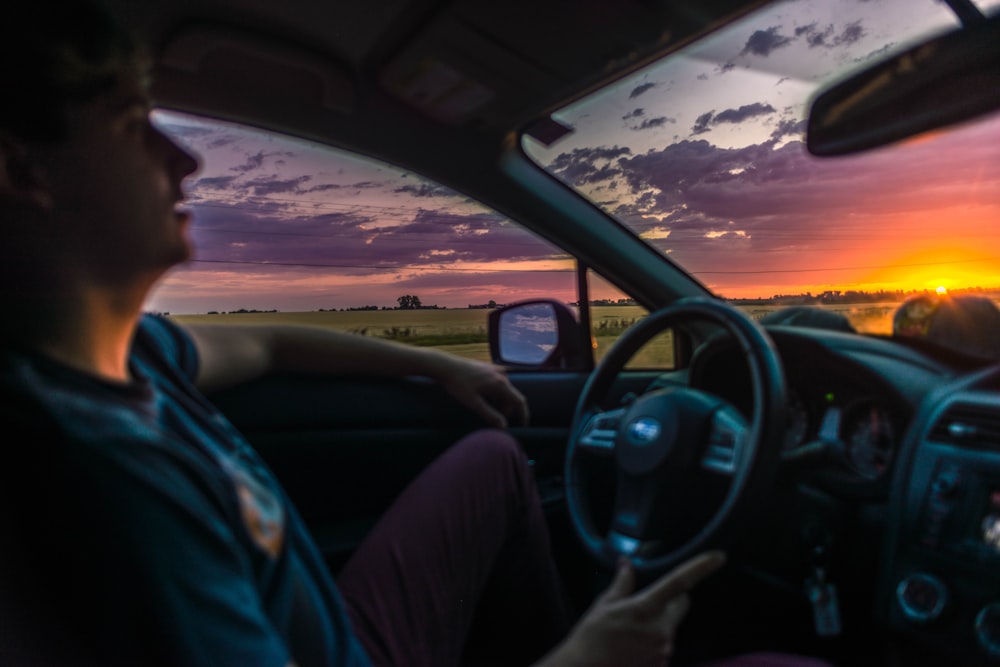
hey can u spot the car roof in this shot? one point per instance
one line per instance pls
(477, 67)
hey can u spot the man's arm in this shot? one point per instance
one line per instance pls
(230, 354)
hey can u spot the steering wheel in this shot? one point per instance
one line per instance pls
(662, 441)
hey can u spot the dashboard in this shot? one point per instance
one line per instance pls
(877, 424)
(850, 399)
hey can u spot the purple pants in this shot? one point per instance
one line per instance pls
(467, 536)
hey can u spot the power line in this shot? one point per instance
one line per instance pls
(842, 268)
(381, 268)
(223, 202)
(381, 237)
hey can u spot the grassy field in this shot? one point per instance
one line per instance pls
(464, 331)
(458, 330)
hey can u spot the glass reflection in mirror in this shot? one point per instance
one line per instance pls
(528, 334)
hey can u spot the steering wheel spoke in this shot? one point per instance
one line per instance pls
(600, 432)
(621, 544)
(727, 441)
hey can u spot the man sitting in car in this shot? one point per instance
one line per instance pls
(141, 527)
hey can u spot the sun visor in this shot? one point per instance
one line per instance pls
(211, 68)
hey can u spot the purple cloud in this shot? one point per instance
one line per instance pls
(581, 165)
(641, 89)
(765, 42)
(743, 113)
(651, 123)
(425, 190)
(828, 36)
(702, 122)
(705, 121)
(269, 185)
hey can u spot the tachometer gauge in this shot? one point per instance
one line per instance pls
(870, 438)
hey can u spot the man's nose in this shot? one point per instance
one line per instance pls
(183, 161)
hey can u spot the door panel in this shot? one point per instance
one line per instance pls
(344, 448)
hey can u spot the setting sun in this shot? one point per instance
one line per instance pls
(941, 289)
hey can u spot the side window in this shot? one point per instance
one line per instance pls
(611, 313)
(292, 231)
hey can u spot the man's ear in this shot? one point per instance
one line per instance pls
(21, 181)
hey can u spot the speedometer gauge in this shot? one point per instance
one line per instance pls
(870, 438)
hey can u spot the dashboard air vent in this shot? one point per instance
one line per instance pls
(969, 426)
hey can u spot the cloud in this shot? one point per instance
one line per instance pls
(269, 185)
(765, 42)
(647, 123)
(852, 33)
(828, 37)
(707, 120)
(743, 113)
(256, 160)
(652, 123)
(361, 241)
(222, 141)
(425, 190)
(252, 162)
(212, 183)
(727, 234)
(641, 89)
(326, 187)
(789, 127)
(589, 165)
(702, 122)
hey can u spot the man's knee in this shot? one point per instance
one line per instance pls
(493, 447)
(491, 452)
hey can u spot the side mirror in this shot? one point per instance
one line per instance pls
(946, 80)
(537, 334)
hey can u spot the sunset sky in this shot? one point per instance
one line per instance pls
(702, 156)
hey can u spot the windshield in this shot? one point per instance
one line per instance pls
(702, 155)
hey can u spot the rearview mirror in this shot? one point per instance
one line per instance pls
(946, 80)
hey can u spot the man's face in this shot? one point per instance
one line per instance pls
(116, 190)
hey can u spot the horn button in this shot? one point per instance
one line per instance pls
(663, 426)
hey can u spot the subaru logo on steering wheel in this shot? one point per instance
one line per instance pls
(643, 430)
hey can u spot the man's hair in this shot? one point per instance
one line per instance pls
(57, 53)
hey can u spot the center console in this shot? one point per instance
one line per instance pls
(941, 575)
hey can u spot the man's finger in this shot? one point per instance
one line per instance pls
(675, 610)
(623, 584)
(673, 613)
(682, 578)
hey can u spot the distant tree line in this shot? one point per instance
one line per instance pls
(850, 296)
(241, 311)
